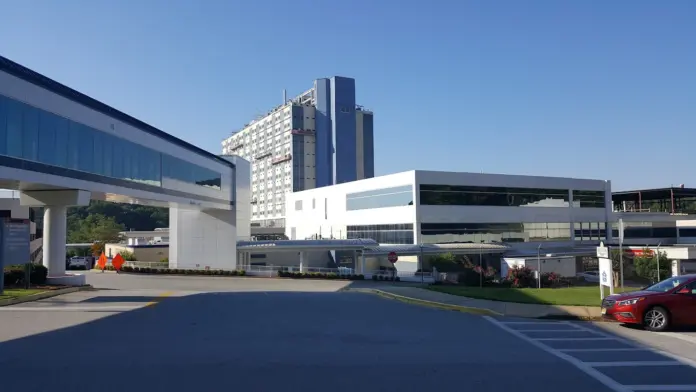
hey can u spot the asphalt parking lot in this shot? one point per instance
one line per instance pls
(144, 333)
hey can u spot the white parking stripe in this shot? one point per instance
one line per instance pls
(589, 350)
(70, 308)
(635, 363)
(550, 330)
(568, 339)
(590, 371)
(663, 387)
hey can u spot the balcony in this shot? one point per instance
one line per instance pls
(281, 159)
(263, 155)
(302, 132)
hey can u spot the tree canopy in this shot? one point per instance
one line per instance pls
(102, 221)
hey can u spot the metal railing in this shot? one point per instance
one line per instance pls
(405, 276)
(272, 270)
(144, 264)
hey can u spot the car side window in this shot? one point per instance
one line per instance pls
(692, 286)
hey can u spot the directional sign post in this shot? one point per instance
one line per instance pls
(606, 276)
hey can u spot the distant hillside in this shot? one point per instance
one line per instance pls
(131, 216)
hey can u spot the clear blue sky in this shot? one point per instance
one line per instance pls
(596, 89)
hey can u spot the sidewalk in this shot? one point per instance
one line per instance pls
(510, 309)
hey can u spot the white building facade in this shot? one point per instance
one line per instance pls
(316, 139)
(425, 207)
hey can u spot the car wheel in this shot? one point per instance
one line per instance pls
(656, 319)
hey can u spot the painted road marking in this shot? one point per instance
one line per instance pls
(635, 363)
(160, 298)
(663, 387)
(551, 330)
(590, 367)
(568, 339)
(590, 371)
(69, 309)
(589, 350)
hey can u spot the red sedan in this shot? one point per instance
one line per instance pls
(668, 303)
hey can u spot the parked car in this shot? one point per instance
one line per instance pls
(77, 262)
(669, 303)
(589, 276)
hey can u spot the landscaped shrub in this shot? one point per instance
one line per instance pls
(521, 277)
(318, 275)
(14, 274)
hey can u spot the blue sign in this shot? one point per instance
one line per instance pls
(14, 245)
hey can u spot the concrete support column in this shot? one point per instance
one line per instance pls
(302, 261)
(355, 260)
(676, 267)
(55, 204)
(55, 234)
(362, 263)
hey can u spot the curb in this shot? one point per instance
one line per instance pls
(474, 310)
(432, 304)
(44, 295)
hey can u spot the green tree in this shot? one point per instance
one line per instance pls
(646, 265)
(94, 228)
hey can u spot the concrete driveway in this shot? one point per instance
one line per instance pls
(165, 333)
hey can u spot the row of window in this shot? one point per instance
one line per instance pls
(383, 234)
(380, 198)
(506, 196)
(588, 199)
(36, 135)
(494, 232)
(590, 231)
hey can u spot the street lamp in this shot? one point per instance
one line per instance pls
(539, 266)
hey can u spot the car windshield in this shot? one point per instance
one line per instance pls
(668, 284)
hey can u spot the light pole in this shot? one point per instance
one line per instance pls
(539, 266)
(481, 264)
(657, 260)
(420, 258)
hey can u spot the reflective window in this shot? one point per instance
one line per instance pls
(588, 199)
(33, 134)
(590, 231)
(380, 198)
(384, 234)
(181, 170)
(634, 230)
(492, 196)
(442, 233)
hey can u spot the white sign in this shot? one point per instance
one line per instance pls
(602, 251)
(606, 276)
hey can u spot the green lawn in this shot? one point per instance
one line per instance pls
(14, 293)
(582, 296)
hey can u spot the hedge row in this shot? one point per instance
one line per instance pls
(318, 275)
(14, 275)
(386, 278)
(176, 271)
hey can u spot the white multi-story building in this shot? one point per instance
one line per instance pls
(317, 139)
(426, 207)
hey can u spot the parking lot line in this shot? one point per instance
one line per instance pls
(589, 370)
(589, 350)
(551, 330)
(634, 363)
(662, 387)
(568, 339)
